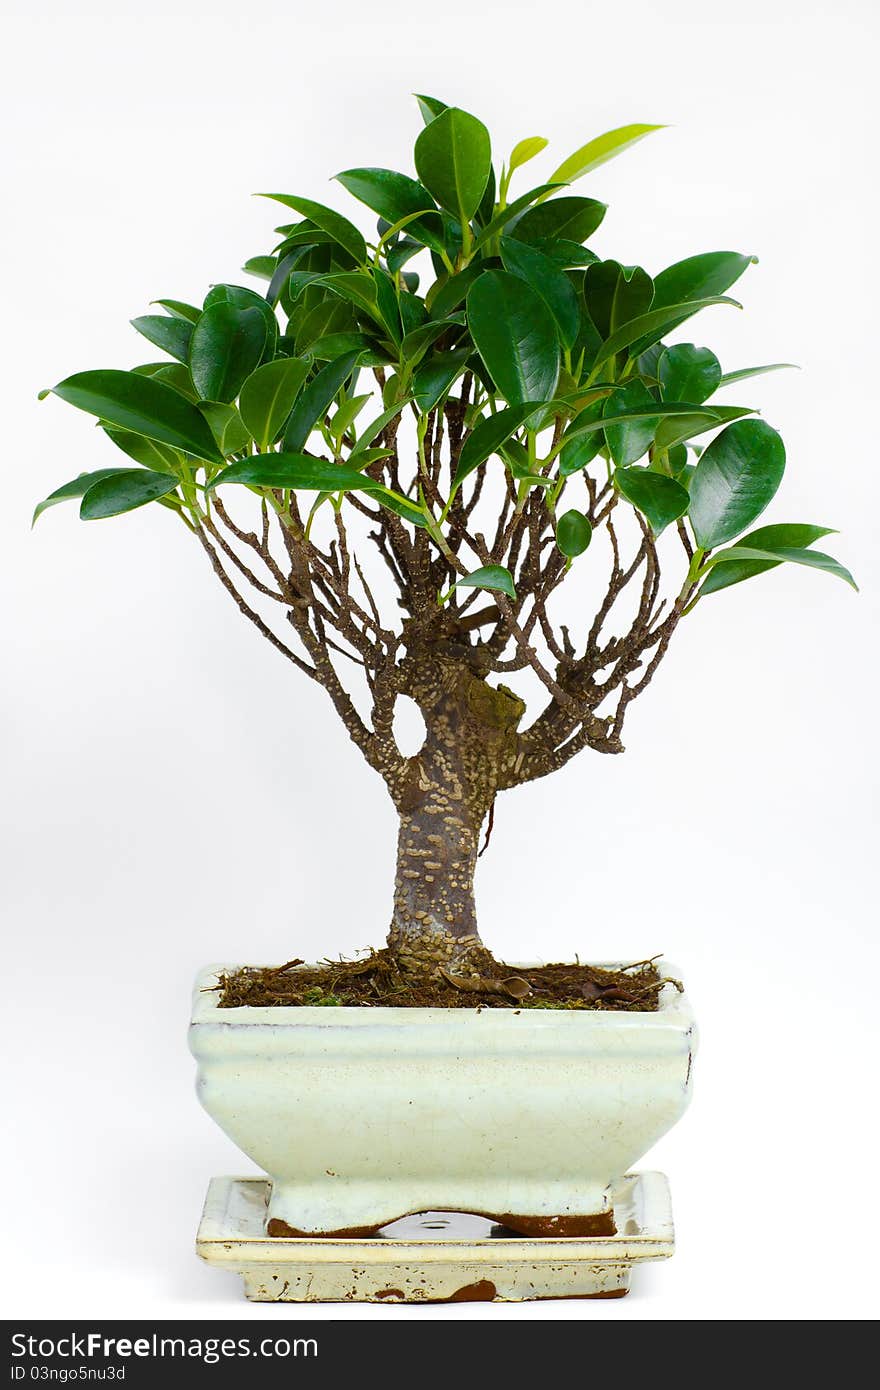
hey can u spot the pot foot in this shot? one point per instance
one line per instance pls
(433, 1257)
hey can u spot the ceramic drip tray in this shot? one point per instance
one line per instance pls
(432, 1257)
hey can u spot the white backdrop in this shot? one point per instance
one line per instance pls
(174, 793)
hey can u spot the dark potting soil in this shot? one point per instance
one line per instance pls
(377, 980)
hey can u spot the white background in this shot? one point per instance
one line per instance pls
(174, 793)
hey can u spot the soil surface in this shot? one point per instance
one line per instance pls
(377, 980)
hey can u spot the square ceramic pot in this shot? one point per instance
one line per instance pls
(362, 1115)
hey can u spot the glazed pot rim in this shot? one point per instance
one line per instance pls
(674, 1010)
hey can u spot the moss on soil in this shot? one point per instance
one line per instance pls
(377, 981)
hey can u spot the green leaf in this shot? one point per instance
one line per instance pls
(123, 492)
(616, 294)
(792, 535)
(736, 477)
(489, 577)
(573, 533)
(179, 310)
(76, 488)
(515, 335)
(175, 375)
(682, 425)
(512, 211)
(294, 470)
(314, 400)
(659, 498)
(647, 328)
(143, 405)
(630, 439)
(227, 344)
(343, 232)
(434, 379)
(399, 505)
(693, 281)
(814, 559)
(268, 395)
(170, 334)
(688, 373)
(453, 156)
(240, 297)
(598, 151)
(699, 277)
(452, 291)
(374, 429)
(145, 451)
(227, 426)
(575, 219)
(263, 267)
(487, 437)
(525, 150)
(745, 372)
(430, 107)
(395, 197)
(551, 284)
(581, 448)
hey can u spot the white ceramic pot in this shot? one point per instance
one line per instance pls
(363, 1115)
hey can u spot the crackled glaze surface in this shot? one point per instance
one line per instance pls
(360, 1116)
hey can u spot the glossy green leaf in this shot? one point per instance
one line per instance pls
(647, 328)
(144, 406)
(179, 310)
(374, 429)
(148, 452)
(430, 107)
(395, 197)
(227, 426)
(513, 210)
(573, 533)
(616, 294)
(488, 435)
(343, 232)
(399, 505)
(123, 492)
(736, 477)
(294, 470)
(630, 439)
(525, 150)
(76, 488)
(433, 379)
(263, 267)
(178, 377)
(688, 373)
(315, 399)
(699, 277)
(813, 559)
(575, 219)
(494, 577)
(684, 425)
(743, 373)
(227, 344)
(581, 448)
(515, 335)
(453, 156)
(601, 149)
(452, 291)
(240, 297)
(548, 281)
(268, 395)
(170, 334)
(659, 498)
(791, 535)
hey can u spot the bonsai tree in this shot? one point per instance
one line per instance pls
(457, 454)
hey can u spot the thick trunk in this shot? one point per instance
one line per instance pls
(450, 788)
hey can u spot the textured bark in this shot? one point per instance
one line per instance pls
(450, 786)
